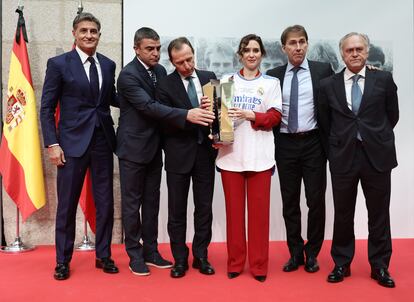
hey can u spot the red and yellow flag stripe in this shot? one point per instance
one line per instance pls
(20, 150)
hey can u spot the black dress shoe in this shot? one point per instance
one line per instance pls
(203, 266)
(178, 270)
(311, 264)
(260, 278)
(232, 275)
(61, 271)
(383, 277)
(107, 265)
(338, 274)
(293, 264)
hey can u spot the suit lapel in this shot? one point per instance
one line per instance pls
(159, 72)
(202, 77)
(105, 72)
(315, 79)
(144, 75)
(79, 75)
(339, 88)
(281, 75)
(181, 93)
(368, 88)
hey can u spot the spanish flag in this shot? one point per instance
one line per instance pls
(20, 156)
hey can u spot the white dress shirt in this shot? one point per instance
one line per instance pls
(306, 106)
(86, 64)
(348, 84)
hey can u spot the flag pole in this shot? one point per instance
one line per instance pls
(2, 239)
(86, 244)
(17, 246)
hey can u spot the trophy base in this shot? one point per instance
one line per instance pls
(223, 139)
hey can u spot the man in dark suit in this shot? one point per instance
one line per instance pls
(358, 110)
(189, 155)
(139, 149)
(82, 83)
(299, 152)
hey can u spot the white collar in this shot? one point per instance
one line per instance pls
(84, 56)
(304, 65)
(349, 74)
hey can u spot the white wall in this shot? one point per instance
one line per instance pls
(390, 21)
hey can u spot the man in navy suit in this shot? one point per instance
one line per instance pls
(189, 155)
(139, 149)
(299, 152)
(82, 83)
(358, 110)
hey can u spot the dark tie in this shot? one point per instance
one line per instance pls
(153, 76)
(192, 93)
(356, 94)
(356, 97)
(293, 102)
(93, 79)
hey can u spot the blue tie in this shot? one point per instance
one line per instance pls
(293, 102)
(93, 79)
(356, 94)
(192, 93)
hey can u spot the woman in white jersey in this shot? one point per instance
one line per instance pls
(247, 165)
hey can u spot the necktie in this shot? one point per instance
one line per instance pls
(356, 94)
(93, 79)
(153, 76)
(293, 102)
(192, 93)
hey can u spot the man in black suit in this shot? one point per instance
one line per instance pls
(358, 110)
(139, 149)
(189, 155)
(299, 152)
(82, 83)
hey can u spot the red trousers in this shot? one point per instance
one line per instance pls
(256, 185)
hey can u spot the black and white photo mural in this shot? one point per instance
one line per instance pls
(215, 28)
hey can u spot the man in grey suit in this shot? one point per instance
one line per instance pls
(299, 152)
(139, 150)
(358, 110)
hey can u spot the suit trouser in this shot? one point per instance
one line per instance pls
(99, 158)
(140, 189)
(302, 157)
(256, 185)
(202, 175)
(376, 187)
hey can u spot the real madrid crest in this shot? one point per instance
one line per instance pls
(260, 91)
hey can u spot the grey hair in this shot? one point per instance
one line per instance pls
(363, 36)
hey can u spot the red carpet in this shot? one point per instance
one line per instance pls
(28, 277)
